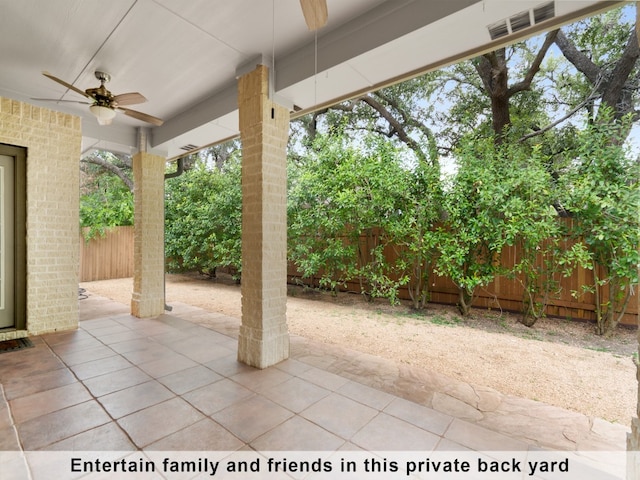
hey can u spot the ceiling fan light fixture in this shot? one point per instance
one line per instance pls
(104, 115)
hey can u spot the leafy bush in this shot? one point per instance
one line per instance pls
(499, 197)
(342, 194)
(203, 219)
(108, 204)
(601, 190)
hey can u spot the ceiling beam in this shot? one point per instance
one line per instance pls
(217, 105)
(378, 26)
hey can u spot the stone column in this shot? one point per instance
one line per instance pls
(633, 440)
(148, 244)
(264, 130)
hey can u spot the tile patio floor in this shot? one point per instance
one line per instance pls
(173, 383)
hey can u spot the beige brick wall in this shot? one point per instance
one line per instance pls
(148, 256)
(264, 127)
(633, 439)
(53, 143)
(633, 447)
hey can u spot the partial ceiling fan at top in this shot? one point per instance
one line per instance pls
(315, 13)
(104, 104)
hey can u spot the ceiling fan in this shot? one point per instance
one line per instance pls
(315, 13)
(103, 103)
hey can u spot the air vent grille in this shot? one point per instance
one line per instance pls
(188, 148)
(544, 12)
(522, 20)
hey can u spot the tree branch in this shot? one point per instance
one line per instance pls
(461, 81)
(411, 121)
(577, 58)
(483, 67)
(407, 118)
(535, 66)
(621, 72)
(394, 124)
(589, 99)
(117, 171)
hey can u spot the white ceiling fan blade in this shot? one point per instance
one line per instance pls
(315, 13)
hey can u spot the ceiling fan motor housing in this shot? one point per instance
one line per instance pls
(101, 95)
(103, 76)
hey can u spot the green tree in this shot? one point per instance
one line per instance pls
(500, 196)
(602, 193)
(397, 113)
(413, 232)
(603, 51)
(107, 163)
(105, 200)
(493, 70)
(203, 218)
(346, 206)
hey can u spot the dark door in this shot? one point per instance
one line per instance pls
(12, 237)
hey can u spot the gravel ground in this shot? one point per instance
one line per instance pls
(558, 362)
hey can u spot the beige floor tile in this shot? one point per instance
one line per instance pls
(42, 431)
(168, 364)
(296, 394)
(423, 417)
(339, 415)
(366, 395)
(298, 434)
(22, 386)
(153, 423)
(260, 380)
(324, 379)
(205, 435)
(186, 380)
(389, 433)
(105, 438)
(217, 396)
(103, 366)
(115, 381)
(479, 438)
(251, 418)
(75, 357)
(37, 404)
(132, 399)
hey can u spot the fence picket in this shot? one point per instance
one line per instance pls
(112, 257)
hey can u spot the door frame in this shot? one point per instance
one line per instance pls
(19, 155)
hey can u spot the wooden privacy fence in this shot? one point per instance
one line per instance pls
(501, 294)
(111, 256)
(107, 257)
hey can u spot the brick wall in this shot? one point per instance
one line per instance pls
(264, 127)
(148, 249)
(53, 143)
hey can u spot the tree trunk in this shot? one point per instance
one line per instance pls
(465, 300)
(492, 68)
(615, 81)
(501, 116)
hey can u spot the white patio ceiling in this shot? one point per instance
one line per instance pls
(183, 56)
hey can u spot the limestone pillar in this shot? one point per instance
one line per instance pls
(633, 440)
(264, 130)
(148, 244)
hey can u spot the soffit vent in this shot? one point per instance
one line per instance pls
(188, 148)
(522, 20)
